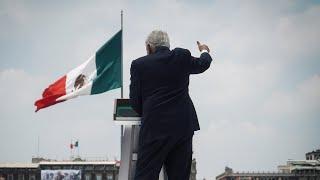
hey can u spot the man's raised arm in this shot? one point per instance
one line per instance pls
(201, 64)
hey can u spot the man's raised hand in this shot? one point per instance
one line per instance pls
(203, 47)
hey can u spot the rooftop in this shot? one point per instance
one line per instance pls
(36, 165)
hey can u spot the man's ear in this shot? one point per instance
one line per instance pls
(148, 47)
(150, 50)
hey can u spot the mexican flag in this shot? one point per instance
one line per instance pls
(100, 73)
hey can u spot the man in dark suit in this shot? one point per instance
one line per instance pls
(159, 93)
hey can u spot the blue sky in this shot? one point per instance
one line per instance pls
(258, 104)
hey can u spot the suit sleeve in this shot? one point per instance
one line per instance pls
(199, 65)
(135, 89)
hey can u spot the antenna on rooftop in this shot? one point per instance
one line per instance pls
(38, 148)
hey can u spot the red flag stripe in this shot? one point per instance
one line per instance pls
(50, 94)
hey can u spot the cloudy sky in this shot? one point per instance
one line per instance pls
(258, 104)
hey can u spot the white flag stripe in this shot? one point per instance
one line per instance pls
(87, 68)
(85, 90)
(88, 72)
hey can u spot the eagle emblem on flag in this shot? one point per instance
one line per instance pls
(80, 81)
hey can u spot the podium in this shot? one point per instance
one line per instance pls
(130, 122)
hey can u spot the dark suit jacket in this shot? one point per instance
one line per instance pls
(159, 92)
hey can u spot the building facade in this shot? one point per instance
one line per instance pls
(313, 155)
(193, 173)
(297, 175)
(19, 171)
(308, 169)
(90, 170)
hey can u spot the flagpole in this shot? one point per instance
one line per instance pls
(70, 150)
(38, 147)
(78, 148)
(121, 53)
(121, 77)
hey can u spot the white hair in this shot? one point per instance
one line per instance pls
(158, 38)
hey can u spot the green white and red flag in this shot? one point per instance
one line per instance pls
(100, 73)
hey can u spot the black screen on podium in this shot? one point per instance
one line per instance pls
(124, 109)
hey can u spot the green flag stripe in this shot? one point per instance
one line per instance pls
(108, 64)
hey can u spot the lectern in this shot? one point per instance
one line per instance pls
(124, 115)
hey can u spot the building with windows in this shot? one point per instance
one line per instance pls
(88, 170)
(193, 173)
(302, 168)
(308, 169)
(313, 155)
(20, 171)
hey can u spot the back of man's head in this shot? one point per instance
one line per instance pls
(158, 38)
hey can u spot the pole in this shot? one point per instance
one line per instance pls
(121, 53)
(121, 77)
(70, 150)
(78, 152)
(38, 147)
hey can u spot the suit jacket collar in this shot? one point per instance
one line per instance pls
(162, 48)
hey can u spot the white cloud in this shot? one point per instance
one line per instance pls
(223, 141)
(18, 89)
(302, 102)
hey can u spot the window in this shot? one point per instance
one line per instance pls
(10, 177)
(32, 177)
(109, 177)
(98, 177)
(87, 177)
(21, 177)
